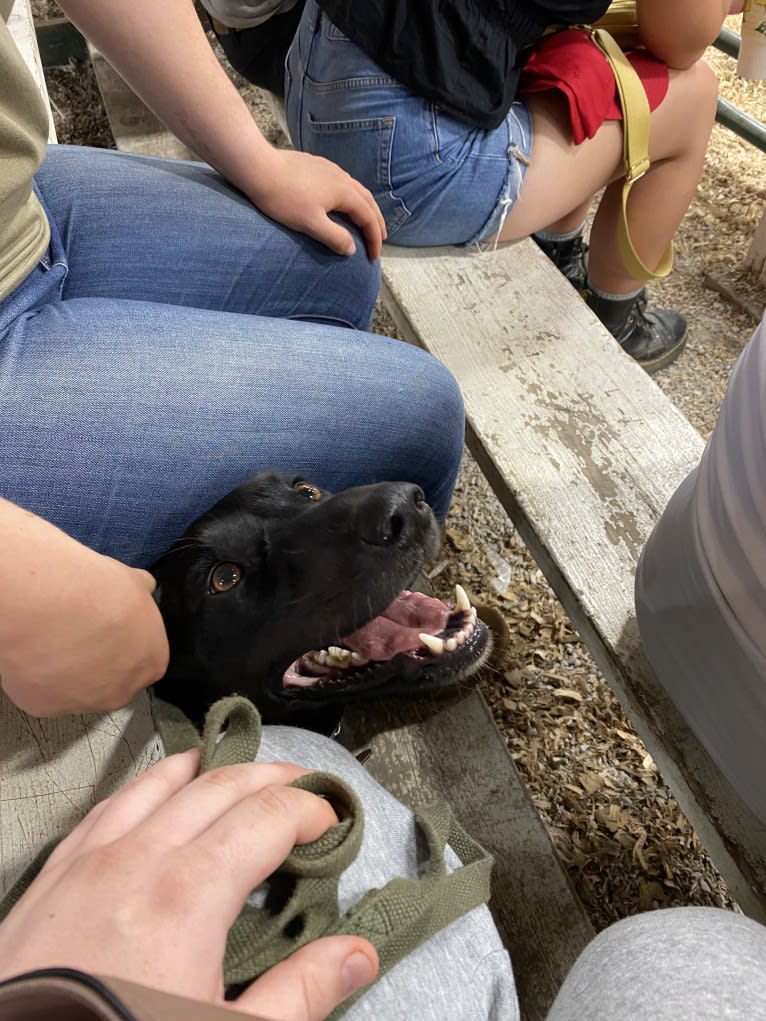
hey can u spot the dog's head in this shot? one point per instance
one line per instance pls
(300, 600)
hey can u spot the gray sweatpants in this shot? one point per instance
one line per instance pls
(701, 586)
(678, 964)
(461, 974)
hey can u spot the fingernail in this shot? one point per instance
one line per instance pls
(351, 249)
(357, 971)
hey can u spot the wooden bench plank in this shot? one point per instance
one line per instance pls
(755, 260)
(583, 450)
(451, 750)
(52, 772)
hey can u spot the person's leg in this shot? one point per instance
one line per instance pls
(122, 421)
(173, 232)
(461, 974)
(701, 586)
(704, 964)
(258, 53)
(563, 177)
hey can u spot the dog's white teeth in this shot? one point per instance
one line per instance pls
(460, 637)
(433, 644)
(358, 660)
(338, 657)
(321, 657)
(451, 644)
(462, 601)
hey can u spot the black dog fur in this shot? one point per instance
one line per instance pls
(279, 568)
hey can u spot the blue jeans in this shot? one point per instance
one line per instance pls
(174, 341)
(437, 180)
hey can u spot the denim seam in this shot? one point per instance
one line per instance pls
(434, 111)
(353, 84)
(373, 124)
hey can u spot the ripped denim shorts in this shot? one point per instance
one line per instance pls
(437, 180)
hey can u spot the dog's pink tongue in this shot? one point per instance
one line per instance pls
(397, 629)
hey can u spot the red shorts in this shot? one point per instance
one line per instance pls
(572, 63)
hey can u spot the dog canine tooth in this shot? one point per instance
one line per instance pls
(433, 644)
(461, 599)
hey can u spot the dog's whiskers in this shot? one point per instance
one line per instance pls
(190, 543)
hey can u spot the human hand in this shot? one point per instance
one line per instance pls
(299, 190)
(79, 632)
(147, 886)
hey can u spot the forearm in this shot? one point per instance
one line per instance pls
(679, 32)
(162, 52)
(78, 631)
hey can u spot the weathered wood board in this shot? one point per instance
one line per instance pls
(53, 771)
(755, 260)
(583, 450)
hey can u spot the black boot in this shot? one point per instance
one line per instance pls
(570, 257)
(654, 339)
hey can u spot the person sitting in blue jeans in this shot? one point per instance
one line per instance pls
(426, 105)
(168, 330)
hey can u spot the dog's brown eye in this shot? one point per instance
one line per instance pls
(307, 489)
(225, 577)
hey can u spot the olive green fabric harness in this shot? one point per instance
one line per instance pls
(299, 902)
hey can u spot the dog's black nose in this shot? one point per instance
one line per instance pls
(391, 511)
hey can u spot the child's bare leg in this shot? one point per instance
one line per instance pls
(679, 135)
(562, 177)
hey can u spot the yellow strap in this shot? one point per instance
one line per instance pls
(635, 117)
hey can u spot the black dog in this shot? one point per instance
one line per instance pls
(299, 599)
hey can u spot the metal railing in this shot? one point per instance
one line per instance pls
(728, 114)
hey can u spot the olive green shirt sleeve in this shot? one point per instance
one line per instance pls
(24, 230)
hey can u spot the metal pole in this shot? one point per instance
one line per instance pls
(728, 42)
(741, 124)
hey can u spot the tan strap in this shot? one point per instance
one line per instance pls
(635, 116)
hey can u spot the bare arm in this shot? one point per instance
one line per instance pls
(79, 632)
(679, 31)
(162, 52)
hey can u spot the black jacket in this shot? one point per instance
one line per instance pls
(464, 55)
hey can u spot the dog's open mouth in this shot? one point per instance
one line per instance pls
(415, 633)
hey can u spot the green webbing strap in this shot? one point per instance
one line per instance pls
(299, 902)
